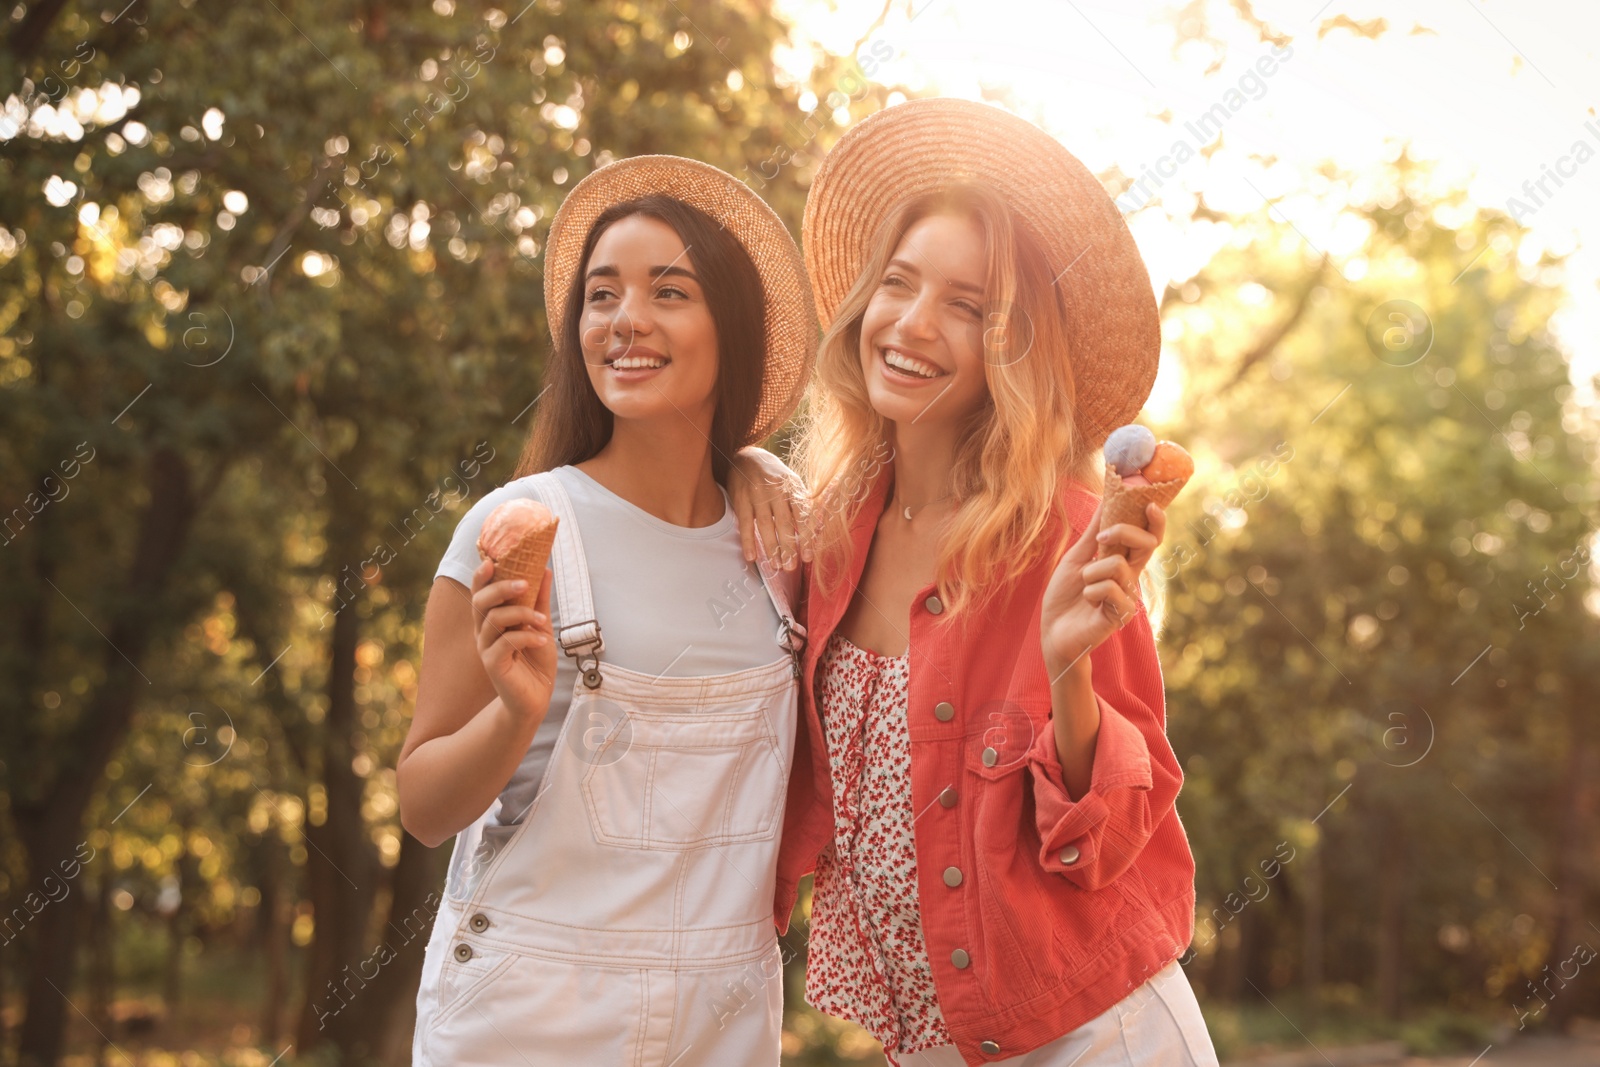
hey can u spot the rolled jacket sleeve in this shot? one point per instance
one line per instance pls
(1135, 777)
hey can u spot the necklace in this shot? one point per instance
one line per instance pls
(906, 509)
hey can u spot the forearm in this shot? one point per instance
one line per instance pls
(1075, 717)
(448, 781)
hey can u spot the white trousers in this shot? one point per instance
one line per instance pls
(1157, 1025)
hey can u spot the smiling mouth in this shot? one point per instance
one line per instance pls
(634, 361)
(910, 366)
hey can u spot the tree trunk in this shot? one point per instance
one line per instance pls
(390, 1005)
(342, 869)
(276, 918)
(1392, 878)
(102, 966)
(1309, 883)
(48, 842)
(51, 825)
(177, 923)
(1574, 858)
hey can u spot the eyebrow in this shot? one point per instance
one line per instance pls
(607, 271)
(965, 286)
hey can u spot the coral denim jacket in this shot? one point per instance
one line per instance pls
(1064, 906)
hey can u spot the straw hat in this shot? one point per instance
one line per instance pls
(920, 146)
(791, 318)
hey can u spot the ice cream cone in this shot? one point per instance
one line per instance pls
(1126, 503)
(518, 537)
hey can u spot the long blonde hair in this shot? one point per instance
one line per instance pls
(1013, 452)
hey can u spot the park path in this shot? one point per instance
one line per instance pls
(1579, 1051)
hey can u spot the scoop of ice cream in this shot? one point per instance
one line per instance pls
(1129, 448)
(509, 523)
(1169, 464)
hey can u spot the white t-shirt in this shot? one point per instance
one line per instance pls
(671, 600)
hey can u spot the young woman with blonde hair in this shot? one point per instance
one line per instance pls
(983, 781)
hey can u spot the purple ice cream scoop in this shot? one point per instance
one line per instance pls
(1129, 448)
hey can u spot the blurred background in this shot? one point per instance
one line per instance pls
(271, 319)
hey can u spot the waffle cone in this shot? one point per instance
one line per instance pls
(1126, 503)
(527, 559)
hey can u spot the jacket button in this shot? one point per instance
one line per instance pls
(1069, 855)
(989, 1048)
(944, 711)
(960, 958)
(948, 797)
(990, 757)
(480, 923)
(934, 605)
(952, 876)
(463, 953)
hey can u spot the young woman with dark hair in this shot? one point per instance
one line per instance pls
(613, 761)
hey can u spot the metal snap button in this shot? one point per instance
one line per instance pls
(948, 797)
(960, 958)
(944, 711)
(952, 876)
(989, 1048)
(1069, 855)
(479, 923)
(463, 953)
(591, 678)
(990, 757)
(934, 605)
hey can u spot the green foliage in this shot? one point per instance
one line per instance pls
(1354, 629)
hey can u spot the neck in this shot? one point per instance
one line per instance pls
(924, 456)
(663, 468)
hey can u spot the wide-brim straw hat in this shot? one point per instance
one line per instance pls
(790, 319)
(922, 146)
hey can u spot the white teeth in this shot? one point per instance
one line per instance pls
(911, 366)
(638, 362)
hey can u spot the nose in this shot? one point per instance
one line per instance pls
(633, 316)
(920, 318)
(624, 321)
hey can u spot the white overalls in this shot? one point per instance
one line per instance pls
(627, 919)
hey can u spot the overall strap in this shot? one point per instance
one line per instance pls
(579, 635)
(791, 635)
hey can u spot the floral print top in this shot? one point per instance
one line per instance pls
(868, 959)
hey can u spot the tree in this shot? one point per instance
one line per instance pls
(270, 287)
(1360, 649)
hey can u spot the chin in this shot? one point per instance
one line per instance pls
(894, 407)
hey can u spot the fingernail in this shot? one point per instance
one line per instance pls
(1103, 535)
(519, 585)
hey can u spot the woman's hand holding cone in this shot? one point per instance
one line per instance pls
(1089, 598)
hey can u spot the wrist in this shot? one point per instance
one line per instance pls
(511, 726)
(1061, 669)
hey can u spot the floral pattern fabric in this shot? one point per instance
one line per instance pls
(868, 958)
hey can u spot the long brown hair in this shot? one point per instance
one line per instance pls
(572, 425)
(1014, 451)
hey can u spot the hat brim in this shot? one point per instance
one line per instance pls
(790, 319)
(921, 146)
